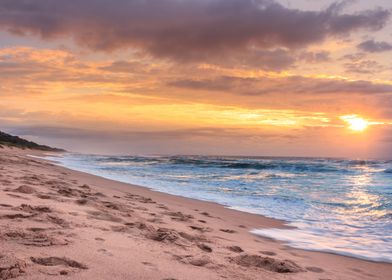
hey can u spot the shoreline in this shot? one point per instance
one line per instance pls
(284, 224)
(277, 223)
(268, 222)
(216, 226)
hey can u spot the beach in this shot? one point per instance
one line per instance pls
(58, 223)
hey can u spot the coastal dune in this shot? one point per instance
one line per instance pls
(56, 223)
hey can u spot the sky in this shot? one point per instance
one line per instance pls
(216, 77)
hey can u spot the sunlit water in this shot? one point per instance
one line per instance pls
(340, 206)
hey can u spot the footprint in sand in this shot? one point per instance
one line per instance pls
(17, 196)
(227, 230)
(268, 253)
(179, 216)
(5, 205)
(44, 196)
(156, 221)
(34, 209)
(201, 229)
(120, 229)
(34, 238)
(11, 267)
(235, 249)
(314, 269)
(205, 247)
(271, 264)
(82, 201)
(193, 260)
(205, 214)
(58, 221)
(163, 234)
(5, 182)
(99, 215)
(113, 206)
(161, 206)
(16, 215)
(105, 252)
(55, 261)
(25, 189)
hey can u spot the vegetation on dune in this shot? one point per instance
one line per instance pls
(15, 141)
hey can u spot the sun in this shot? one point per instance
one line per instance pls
(355, 122)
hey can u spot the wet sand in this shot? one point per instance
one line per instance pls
(56, 223)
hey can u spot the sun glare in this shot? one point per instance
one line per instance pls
(355, 122)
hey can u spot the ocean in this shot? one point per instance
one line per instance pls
(340, 206)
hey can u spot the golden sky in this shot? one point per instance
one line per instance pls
(239, 77)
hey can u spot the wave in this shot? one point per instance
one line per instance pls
(295, 166)
(286, 165)
(290, 165)
(359, 162)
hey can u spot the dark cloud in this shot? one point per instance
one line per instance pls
(374, 47)
(16, 69)
(271, 60)
(384, 106)
(354, 57)
(294, 84)
(125, 67)
(315, 57)
(183, 30)
(223, 83)
(364, 67)
(32, 70)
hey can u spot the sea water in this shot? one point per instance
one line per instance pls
(336, 205)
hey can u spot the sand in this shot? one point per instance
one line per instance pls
(61, 224)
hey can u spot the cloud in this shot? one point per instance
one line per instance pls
(16, 69)
(25, 70)
(364, 67)
(183, 30)
(374, 47)
(354, 57)
(283, 85)
(315, 57)
(222, 83)
(277, 59)
(384, 107)
(121, 66)
(270, 60)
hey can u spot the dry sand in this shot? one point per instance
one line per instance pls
(57, 224)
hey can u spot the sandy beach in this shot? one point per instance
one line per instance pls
(57, 223)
